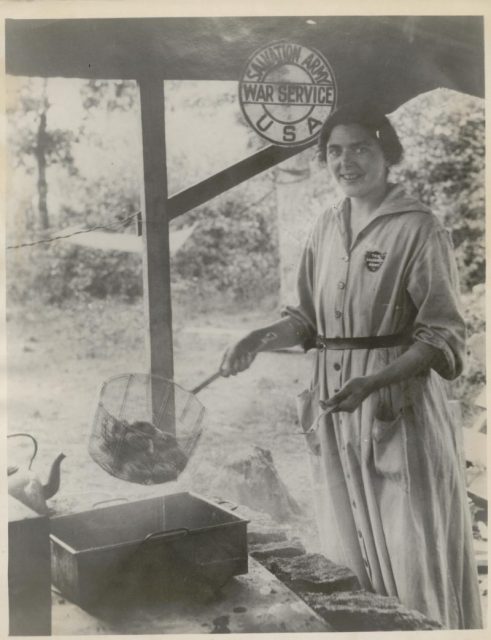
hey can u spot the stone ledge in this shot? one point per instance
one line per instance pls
(265, 536)
(279, 549)
(364, 611)
(331, 590)
(313, 572)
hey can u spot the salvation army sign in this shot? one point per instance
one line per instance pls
(286, 92)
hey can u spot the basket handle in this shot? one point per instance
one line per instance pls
(173, 534)
(269, 337)
(206, 382)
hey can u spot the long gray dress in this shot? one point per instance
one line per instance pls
(389, 477)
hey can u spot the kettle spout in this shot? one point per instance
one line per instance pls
(53, 484)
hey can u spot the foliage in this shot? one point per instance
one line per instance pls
(233, 250)
(110, 95)
(100, 189)
(23, 115)
(58, 271)
(443, 136)
(110, 201)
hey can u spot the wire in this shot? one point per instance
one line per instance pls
(114, 226)
(117, 225)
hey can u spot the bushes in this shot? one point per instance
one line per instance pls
(58, 271)
(233, 250)
(443, 136)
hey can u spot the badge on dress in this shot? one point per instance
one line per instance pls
(374, 260)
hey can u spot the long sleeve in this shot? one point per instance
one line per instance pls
(432, 283)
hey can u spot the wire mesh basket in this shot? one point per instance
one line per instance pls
(145, 428)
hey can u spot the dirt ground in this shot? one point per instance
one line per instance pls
(57, 360)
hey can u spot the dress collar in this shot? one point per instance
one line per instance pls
(396, 201)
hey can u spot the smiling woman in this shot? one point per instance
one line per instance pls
(357, 163)
(378, 297)
(360, 145)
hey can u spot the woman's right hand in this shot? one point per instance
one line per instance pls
(240, 356)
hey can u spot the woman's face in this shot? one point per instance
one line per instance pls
(356, 161)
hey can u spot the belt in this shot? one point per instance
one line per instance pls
(367, 342)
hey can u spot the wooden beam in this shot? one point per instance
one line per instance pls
(230, 177)
(390, 59)
(156, 254)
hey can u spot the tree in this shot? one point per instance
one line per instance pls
(32, 143)
(40, 154)
(109, 95)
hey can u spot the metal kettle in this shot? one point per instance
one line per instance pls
(25, 485)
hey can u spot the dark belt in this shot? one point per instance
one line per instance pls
(367, 342)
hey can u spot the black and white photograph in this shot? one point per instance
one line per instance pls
(245, 321)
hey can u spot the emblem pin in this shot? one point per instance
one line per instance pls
(374, 260)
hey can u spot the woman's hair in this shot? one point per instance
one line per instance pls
(369, 117)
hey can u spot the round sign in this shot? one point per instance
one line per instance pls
(286, 92)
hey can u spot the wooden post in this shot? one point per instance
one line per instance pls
(156, 255)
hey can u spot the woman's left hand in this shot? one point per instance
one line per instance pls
(351, 395)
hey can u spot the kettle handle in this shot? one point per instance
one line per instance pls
(34, 442)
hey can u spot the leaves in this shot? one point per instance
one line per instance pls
(110, 95)
(443, 137)
(234, 249)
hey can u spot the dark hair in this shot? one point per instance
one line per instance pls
(369, 117)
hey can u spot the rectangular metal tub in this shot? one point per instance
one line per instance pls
(148, 549)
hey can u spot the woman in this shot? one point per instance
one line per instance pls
(377, 294)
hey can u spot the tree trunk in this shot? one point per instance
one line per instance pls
(294, 219)
(41, 144)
